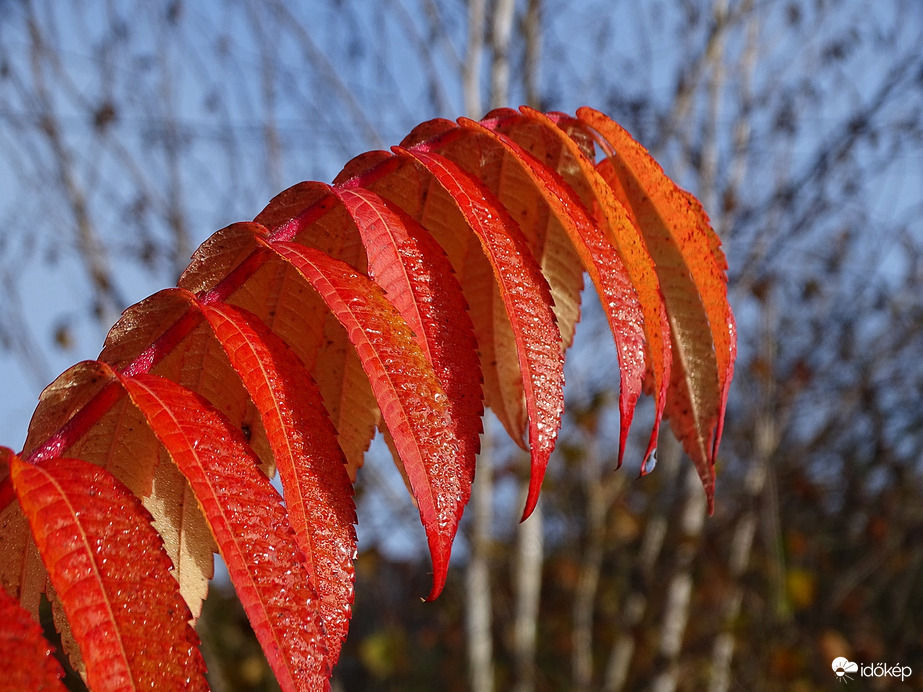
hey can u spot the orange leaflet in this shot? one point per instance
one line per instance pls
(311, 215)
(527, 300)
(96, 422)
(249, 374)
(692, 269)
(277, 295)
(111, 575)
(318, 493)
(412, 401)
(511, 211)
(412, 188)
(629, 294)
(418, 280)
(249, 524)
(512, 186)
(27, 660)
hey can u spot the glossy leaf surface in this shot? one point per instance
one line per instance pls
(318, 494)
(424, 283)
(418, 280)
(692, 270)
(112, 576)
(97, 423)
(527, 302)
(412, 401)
(26, 658)
(630, 297)
(249, 524)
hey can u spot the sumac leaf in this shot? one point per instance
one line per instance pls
(318, 493)
(97, 423)
(527, 301)
(274, 292)
(27, 660)
(412, 401)
(418, 280)
(311, 215)
(111, 575)
(249, 524)
(630, 296)
(383, 300)
(692, 272)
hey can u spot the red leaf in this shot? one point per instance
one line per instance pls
(630, 296)
(639, 266)
(233, 347)
(692, 269)
(219, 376)
(111, 575)
(527, 300)
(276, 294)
(27, 660)
(318, 493)
(97, 423)
(510, 181)
(420, 195)
(418, 280)
(305, 205)
(309, 214)
(511, 184)
(405, 261)
(187, 352)
(249, 524)
(412, 401)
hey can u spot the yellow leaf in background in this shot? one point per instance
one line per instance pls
(801, 585)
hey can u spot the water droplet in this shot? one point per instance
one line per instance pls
(651, 461)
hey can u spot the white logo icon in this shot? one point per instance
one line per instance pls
(841, 666)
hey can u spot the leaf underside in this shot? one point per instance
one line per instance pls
(692, 271)
(424, 283)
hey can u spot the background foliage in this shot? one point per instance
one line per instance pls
(130, 132)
